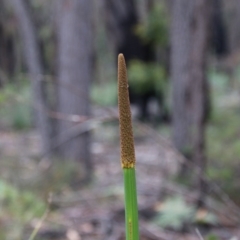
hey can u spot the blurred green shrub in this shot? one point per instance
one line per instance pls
(15, 102)
(175, 213)
(222, 135)
(155, 29)
(17, 209)
(104, 94)
(144, 77)
(212, 237)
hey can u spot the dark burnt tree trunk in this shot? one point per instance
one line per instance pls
(121, 17)
(74, 77)
(232, 16)
(190, 88)
(32, 57)
(7, 52)
(8, 63)
(219, 42)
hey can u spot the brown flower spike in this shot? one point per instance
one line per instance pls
(126, 133)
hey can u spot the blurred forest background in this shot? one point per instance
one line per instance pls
(59, 141)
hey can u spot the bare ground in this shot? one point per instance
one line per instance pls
(96, 210)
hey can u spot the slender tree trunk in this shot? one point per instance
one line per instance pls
(75, 75)
(219, 42)
(35, 69)
(199, 30)
(188, 69)
(233, 18)
(7, 51)
(180, 66)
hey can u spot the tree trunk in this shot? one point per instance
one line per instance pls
(74, 76)
(188, 68)
(35, 69)
(180, 66)
(198, 78)
(219, 43)
(121, 17)
(7, 47)
(232, 8)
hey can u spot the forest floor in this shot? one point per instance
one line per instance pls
(95, 211)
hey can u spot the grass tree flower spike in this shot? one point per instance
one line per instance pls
(127, 153)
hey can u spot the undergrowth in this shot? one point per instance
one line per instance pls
(223, 132)
(15, 106)
(17, 209)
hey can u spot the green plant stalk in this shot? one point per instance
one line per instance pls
(131, 210)
(127, 153)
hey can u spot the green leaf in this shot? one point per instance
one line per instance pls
(175, 213)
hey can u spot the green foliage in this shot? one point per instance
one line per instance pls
(22, 205)
(223, 144)
(146, 76)
(212, 237)
(104, 94)
(17, 209)
(155, 29)
(15, 106)
(222, 174)
(223, 152)
(175, 213)
(21, 118)
(6, 93)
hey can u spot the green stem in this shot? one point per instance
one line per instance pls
(131, 206)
